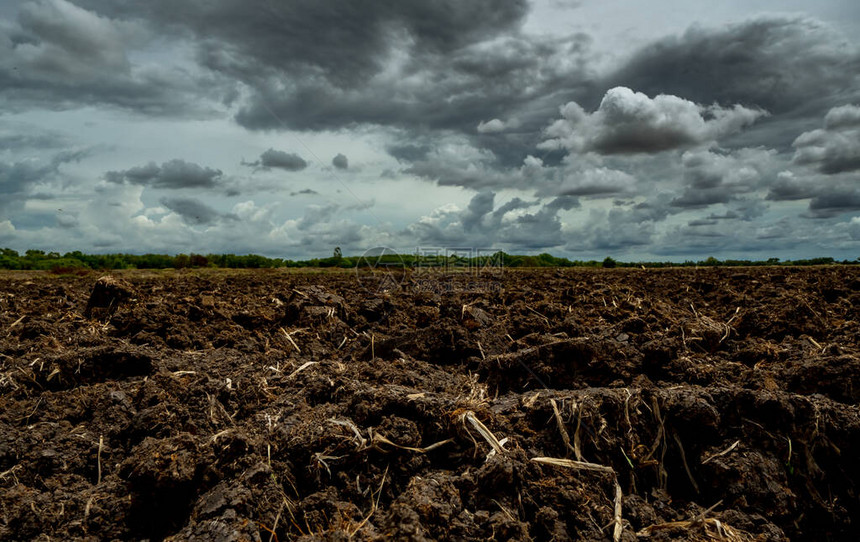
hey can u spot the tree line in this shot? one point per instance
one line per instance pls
(77, 260)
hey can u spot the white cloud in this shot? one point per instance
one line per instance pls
(6, 228)
(845, 116)
(628, 122)
(491, 127)
(835, 148)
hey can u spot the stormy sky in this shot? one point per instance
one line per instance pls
(643, 130)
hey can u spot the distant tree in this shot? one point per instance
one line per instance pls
(337, 253)
(529, 261)
(609, 263)
(198, 260)
(181, 261)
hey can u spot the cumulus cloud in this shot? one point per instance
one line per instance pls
(279, 159)
(458, 163)
(463, 96)
(67, 220)
(628, 122)
(773, 62)
(481, 205)
(829, 196)
(835, 148)
(789, 187)
(614, 231)
(340, 161)
(483, 224)
(711, 177)
(317, 214)
(491, 127)
(174, 174)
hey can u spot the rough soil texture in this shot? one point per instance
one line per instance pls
(270, 405)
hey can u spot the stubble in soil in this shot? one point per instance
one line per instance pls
(275, 406)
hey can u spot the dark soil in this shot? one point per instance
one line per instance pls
(271, 405)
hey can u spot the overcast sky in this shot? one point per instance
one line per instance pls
(663, 130)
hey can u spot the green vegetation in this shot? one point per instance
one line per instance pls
(72, 261)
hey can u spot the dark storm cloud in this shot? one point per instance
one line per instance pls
(745, 210)
(345, 42)
(702, 198)
(511, 205)
(836, 148)
(314, 64)
(835, 202)
(775, 63)
(432, 91)
(592, 182)
(620, 228)
(58, 55)
(193, 212)
(18, 178)
(480, 205)
(461, 175)
(482, 214)
(409, 153)
(628, 122)
(420, 66)
(174, 174)
(702, 222)
(728, 215)
(829, 196)
(652, 210)
(279, 159)
(541, 229)
(788, 187)
(340, 161)
(712, 176)
(305, 192)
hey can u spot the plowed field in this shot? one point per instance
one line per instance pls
(682, 404)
